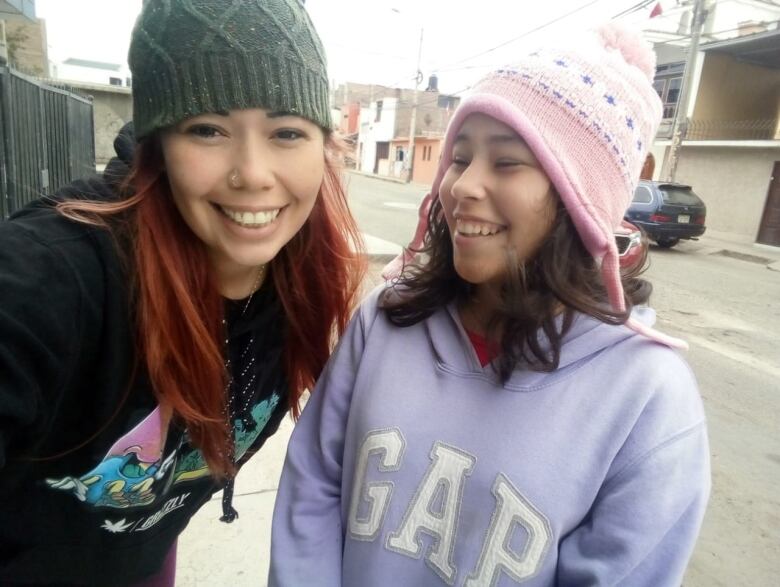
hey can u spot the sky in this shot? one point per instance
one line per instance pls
(368, 41)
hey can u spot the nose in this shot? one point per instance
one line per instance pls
(471, 183)
(252, 165)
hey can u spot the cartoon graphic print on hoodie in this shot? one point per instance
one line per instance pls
(436, 474)
(82, 453)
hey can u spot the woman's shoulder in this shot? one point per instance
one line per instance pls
(38, 244)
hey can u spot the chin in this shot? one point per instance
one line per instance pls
(473, 274)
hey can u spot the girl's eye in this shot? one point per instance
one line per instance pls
(460, 162)
(203, 131)
(503, 164)
(288, 134)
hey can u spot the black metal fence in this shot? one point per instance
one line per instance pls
(47, 139)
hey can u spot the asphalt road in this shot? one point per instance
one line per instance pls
(727, 309)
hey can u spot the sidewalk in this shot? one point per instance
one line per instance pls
(714, 242)
(422, 186)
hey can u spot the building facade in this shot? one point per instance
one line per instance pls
(730, 148)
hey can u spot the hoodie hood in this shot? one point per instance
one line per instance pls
(586, 338)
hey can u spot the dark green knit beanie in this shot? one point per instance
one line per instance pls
(194, 56)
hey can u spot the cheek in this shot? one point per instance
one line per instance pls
(190, 174)
(446, 198)
(304, 176)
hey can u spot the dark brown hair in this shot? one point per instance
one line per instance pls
(561, 275)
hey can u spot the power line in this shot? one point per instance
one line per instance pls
(635, 8)
(517, 38)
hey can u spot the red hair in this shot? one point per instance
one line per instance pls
(179, 309)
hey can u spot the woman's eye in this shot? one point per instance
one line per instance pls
(503, 164)
(203, 131)
(288, 134)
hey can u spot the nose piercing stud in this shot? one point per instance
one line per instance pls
(234, 180)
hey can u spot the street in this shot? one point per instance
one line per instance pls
(727, 309)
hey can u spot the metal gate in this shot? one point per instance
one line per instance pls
(47, 139)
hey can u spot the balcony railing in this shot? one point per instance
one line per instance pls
(733, 130)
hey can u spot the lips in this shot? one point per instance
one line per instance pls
(249, 219)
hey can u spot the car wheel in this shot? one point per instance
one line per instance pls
(667, 243)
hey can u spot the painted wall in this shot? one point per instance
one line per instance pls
(732, 181)
(424, 169)
(732, 90)
(348, 121)
(373, 131)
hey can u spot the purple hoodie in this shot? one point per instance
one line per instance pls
(412, 465)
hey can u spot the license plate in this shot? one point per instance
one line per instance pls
(684, 218)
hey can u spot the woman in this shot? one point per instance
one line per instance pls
(155, 328)
(503, 413)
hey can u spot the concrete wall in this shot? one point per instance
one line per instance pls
(732, 181)
(364, 94)
(27, 42)
(113, 107)
(90, 75)
(731, 90)
(430, 117)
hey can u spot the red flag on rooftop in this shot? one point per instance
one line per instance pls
(657, 10)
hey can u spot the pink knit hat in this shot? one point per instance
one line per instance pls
(589, 113)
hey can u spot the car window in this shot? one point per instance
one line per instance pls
(642, 195)
(680, 196)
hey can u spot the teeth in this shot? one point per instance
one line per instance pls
(474, 229)
(249, 218)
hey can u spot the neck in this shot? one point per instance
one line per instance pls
(475, 312)
(236, 282)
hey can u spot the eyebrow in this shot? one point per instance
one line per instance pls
(279, 114)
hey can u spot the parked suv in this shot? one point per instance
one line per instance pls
(667, 212)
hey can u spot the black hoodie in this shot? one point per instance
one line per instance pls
(93, 488)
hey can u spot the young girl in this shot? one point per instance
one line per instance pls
(155, 328)
(503, 414)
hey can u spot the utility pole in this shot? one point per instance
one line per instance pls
(412, 124)
(680, 127)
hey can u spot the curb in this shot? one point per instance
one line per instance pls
(374, 176)
(385, 258)
(389, 179)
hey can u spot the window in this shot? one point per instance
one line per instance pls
(672, 96)
(642, 195)
(427, 152)
(115, 81)
(660, 85)
(447, 102)
(668, 83)
(399, 154)
(681, 196)
(378, 111)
